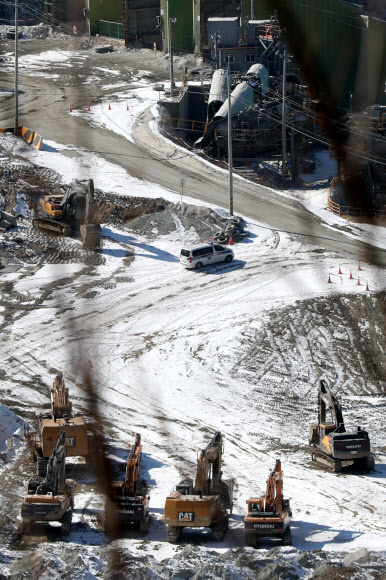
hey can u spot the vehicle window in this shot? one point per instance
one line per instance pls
(219, 248)
(196, 253)
(185, 253)
(208, 250)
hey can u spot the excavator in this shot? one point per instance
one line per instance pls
(71, 210)
(330, 443)
(51, 425)
(130, 499)
(50, 499)
(269, 516)
(204, 504)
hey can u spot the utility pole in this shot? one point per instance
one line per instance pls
(172, 84)
(252, 9)
(230, 157)
(216, 38)
(283, 122)
(16, 128)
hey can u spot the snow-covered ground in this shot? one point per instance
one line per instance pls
(178, 355)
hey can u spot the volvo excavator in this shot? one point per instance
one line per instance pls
(330, 443)
(131, 503)
(51, 425)
(50, 499)
(71, 211)
(204, 504)
(269, 516)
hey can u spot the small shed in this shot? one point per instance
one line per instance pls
(227, 29)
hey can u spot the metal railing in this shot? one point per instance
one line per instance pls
(108, 29)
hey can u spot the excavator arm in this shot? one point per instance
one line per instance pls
(208, 475)
(133, 468)
(60, 402)
(274, 493)
(329, 403)
(55, 479)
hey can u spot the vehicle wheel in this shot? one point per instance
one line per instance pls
(198, 266)
(370, 462)
(287, 537)
(173, 534)
(220, 529)
(41, 466)
(144, 525)
(229, 259)
(66, 523)
(251, 540)
(337, 466)
(26, 526)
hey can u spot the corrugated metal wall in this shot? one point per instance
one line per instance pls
(183, 30)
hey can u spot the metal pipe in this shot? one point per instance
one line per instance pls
(230, 159)
(16, 128)
(283, 121)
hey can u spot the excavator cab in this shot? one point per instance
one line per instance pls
(185, 487)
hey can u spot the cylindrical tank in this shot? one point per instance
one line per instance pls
(218, 91)
(261, 72)
(242, 96)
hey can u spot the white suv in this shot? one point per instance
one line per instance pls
(204, 254)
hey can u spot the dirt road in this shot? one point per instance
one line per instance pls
(44, 106)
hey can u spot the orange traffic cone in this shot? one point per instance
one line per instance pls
(359, 265)
(329, 279)
(70, 108)
(109, 107)
(230, 240)
(89, 107)
(340, 269)
(351, 276)
(127, 107)
(367, 287)
(359, 282)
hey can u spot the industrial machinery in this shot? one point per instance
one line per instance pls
(269, 516)
(204, 504)
(71, 210)
(131, 501)
(50, 499)
(330, 443)
(51, 425)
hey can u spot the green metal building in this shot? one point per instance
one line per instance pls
(182, 33)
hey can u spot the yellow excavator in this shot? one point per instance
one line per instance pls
(131, 503)
(204, 504)
(270, 515)
(63, 213)
(51, 425)
(50, 499)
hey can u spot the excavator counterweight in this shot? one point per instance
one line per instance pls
(330, 443)
(204, 503)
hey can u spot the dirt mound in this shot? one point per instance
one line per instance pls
(115, 210)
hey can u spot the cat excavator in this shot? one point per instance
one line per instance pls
(51, 425)
(204, 504)
(131, 503)
(71, 211)
(330, 443)
(50, 499)
(270, 515)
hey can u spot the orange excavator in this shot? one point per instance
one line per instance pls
(50, 425)
(269, 516)
(131, 501)
(63, 213)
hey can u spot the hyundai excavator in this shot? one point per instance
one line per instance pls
(269, 516)
(204, 504)
(50, 499)
(71, 211)
(330, 443)
(131, 503)
(51, 425)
